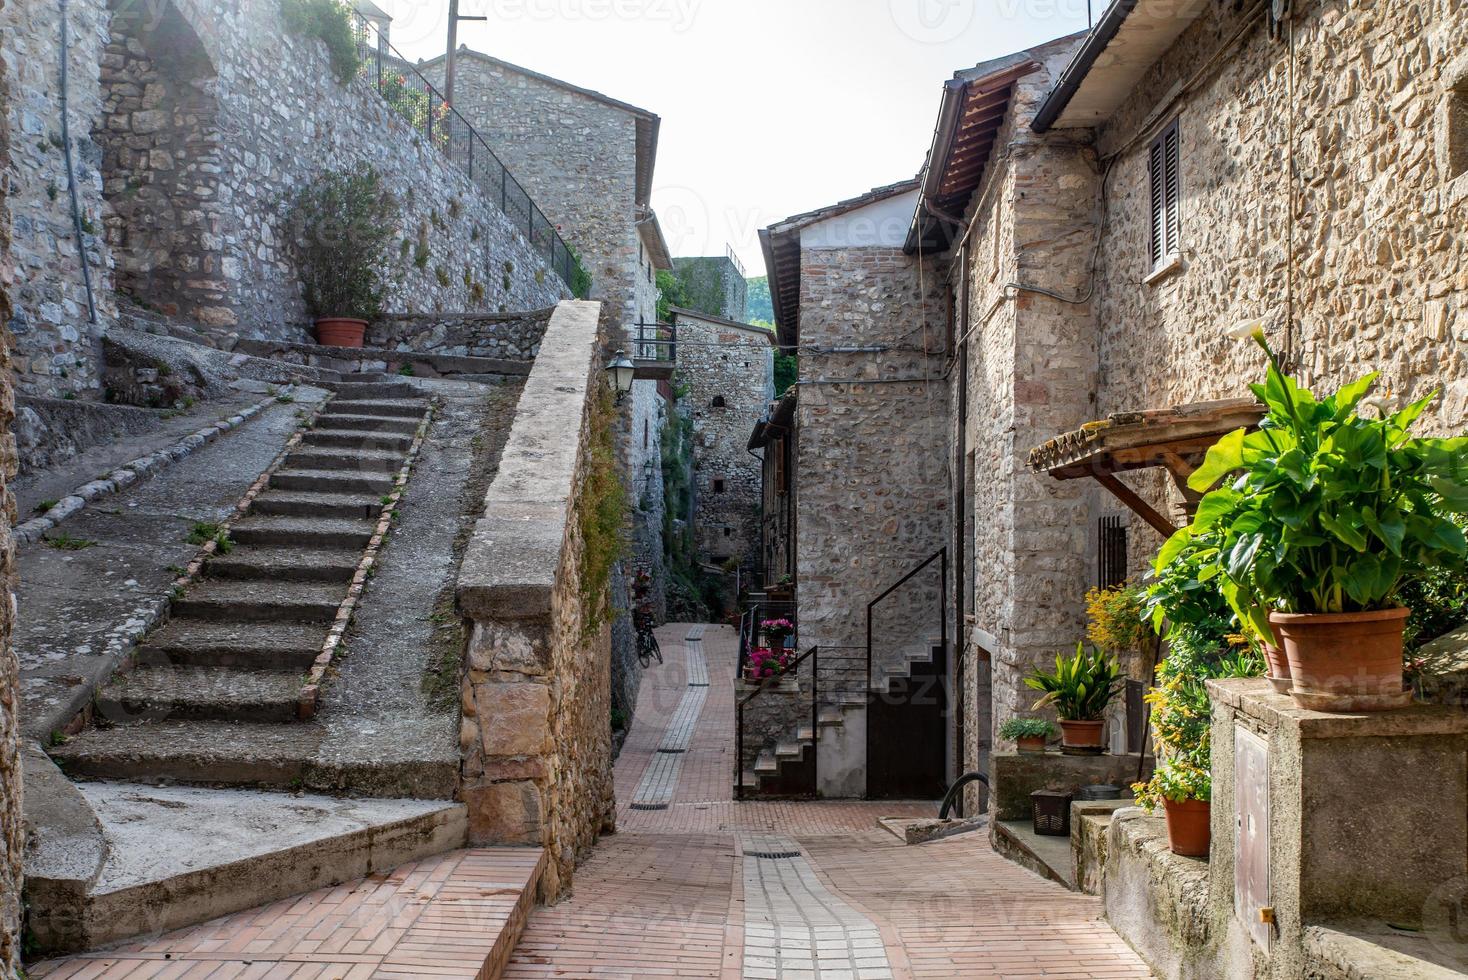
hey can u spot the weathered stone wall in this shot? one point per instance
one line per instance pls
(872, 501)
(729, 374)
(714, 285)
(536, 737)
(1376, 258)
(508, 336)
(202, 149)
(12, 832)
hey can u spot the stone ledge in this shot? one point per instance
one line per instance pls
(1253, 698)
(509, 569)
(1367, 951)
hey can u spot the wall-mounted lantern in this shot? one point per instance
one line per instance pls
(619, 373)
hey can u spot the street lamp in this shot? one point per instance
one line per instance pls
(619, 372)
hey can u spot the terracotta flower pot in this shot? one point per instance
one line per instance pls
(1081, 734)
(340, 331)
(1188, 827)
(1279, 668)
(1344, 661)
(1030, 743)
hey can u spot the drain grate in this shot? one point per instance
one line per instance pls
(772, 855)
(672, 751)
(649, 806)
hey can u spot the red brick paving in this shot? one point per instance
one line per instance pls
(661, 898)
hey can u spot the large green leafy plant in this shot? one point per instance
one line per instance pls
(1331, 510)
(343, 223)
(1081, 686)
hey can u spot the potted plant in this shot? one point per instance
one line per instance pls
(1029, 734)
(780, 631)
(343, 222)
(1079, 690)
(1332, 513)
(1184, 790)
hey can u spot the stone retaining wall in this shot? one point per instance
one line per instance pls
(510, 336)
(536, 732)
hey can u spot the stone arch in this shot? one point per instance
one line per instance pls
(161, 161)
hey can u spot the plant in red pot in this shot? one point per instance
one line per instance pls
(1184, 791)
(1079, 690)
(343, 222)
(1326, 512)
(1029, 734)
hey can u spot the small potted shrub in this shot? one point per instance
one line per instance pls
(1184, 791)
(1029, 734)
(1330, 515)
(1079, 690)
(343, 222)
(780, 632)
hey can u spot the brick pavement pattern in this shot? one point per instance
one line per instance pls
(669, 894)
(673, 893)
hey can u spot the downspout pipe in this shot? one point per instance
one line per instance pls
(76, 211)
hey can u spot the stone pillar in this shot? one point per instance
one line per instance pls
(12, 838)
(535, 736)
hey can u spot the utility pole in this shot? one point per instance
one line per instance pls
(453, 50)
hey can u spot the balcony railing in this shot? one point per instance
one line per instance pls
(414, 97)
(654, 350)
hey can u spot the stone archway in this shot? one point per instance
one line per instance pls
(161, 160)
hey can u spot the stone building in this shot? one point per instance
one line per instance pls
(189, 124)
(1092, 215)
(587, 159)
(728, 371)
(714, 284)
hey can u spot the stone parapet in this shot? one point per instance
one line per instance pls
(536, 737)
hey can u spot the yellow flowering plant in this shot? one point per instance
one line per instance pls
(1116, 618)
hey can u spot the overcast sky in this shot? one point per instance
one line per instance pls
(769, 107)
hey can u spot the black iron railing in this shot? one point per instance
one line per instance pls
(758, 610)
(940, 556)
(813, 655)
(655, 342)
(415, 98)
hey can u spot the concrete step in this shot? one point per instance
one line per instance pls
(286, 564)
(290, 602)
(359, 439)
(789, 750)
(398, 408)
(285, 503)
(354, 390)
(344, 421)
(178, 856)
(200, 693)
(303, 532)
(242, 646)
(831, 716)
(348, 460)
(221, 753)
(766, 764)
(332, 481)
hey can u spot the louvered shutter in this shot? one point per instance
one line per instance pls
(1164, 178)
(1173, 211)
(1159, 202)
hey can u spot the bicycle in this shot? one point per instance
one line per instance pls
(647, 641)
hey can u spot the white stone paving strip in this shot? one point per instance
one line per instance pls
(795, 928)
(658, 784)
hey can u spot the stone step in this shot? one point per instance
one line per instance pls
(359, 439)
(305, 504)
(304, 532)
(766, 764)
(291, 602)
(286, 564)
(351, 460)
(333, 481)
(368, 423)
(219, 859)
(399, 408)
(789, 750)
(831, 716)
(354, 390)
(242, 646)
(221, 753)
(200, 693)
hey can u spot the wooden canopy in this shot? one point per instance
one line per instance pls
(1174, 438)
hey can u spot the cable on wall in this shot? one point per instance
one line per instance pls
(76, 212)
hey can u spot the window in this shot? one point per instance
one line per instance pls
(718, 402)
(1457, 129)
(718, 484)
(1163, 177)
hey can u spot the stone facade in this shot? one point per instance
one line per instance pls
(12, 832)
(506, 336)
(191, 125)
(536, 743)
(713, 284)
(728, 370)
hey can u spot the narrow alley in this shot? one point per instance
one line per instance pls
(693, 884)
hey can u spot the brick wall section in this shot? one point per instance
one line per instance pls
(536, 738)
(278, 117)
(12, 833)
(736, 364)
(1381, 266)
(872, 497)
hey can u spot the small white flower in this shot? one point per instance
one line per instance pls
(1382, 403)
(1247, 330)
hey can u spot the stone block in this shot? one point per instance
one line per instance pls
(505, 813)
(514, 719)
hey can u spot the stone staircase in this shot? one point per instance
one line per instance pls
(216, 696)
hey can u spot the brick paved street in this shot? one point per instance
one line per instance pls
(671, 894)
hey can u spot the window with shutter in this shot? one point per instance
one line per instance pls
(1163, 173)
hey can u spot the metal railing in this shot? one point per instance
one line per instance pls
(813, 655)
(415, 98)
(941, 556)
(655, 342)
(758, 610)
